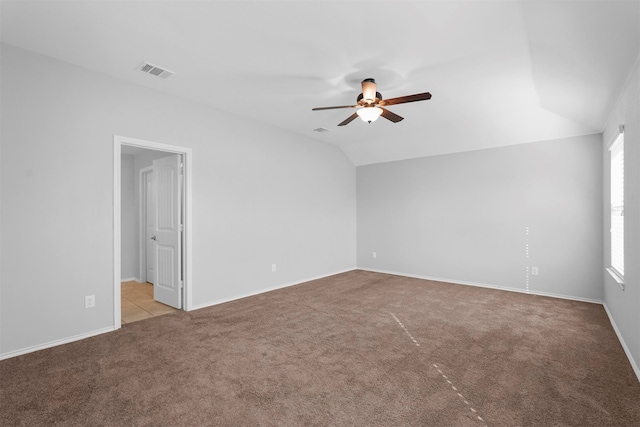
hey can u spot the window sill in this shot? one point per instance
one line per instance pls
(619, 280)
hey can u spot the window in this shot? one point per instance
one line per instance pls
(617, 206)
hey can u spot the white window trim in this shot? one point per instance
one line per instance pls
(619, 280)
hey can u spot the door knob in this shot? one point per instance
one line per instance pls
(153, 237)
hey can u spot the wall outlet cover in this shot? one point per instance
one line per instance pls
(89, 301)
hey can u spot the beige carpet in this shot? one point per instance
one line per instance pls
(356, 349)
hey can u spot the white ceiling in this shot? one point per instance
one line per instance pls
(500, 72)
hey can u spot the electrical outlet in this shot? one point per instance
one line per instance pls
(534, 271)
(375, 255)
(273, 268)
(89, 301)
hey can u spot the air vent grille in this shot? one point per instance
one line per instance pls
(154, 70)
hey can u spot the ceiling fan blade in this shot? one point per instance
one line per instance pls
(349, 119)
(333, 108)
(391, 116)
(405, 99)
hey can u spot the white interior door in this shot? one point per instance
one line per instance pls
(167, 185)
(150, 224)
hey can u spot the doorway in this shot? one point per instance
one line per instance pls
(165, 185)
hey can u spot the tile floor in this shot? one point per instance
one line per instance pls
(138, 303)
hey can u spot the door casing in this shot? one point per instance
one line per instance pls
(118, 142)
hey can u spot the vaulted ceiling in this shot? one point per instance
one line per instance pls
(500, 72)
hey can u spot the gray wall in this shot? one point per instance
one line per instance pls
(129, 221)
(623, 306)
(464, 217)
(260, 196)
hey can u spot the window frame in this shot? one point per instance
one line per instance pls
(616, 209)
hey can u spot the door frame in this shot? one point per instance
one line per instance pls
(142, 220)
(118, 142)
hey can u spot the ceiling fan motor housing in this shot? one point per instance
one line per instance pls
(363, 103)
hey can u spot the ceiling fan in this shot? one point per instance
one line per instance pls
(370, 104)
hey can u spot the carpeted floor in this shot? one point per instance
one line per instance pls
(355, 349)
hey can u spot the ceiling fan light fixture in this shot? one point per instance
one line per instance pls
(369, 114)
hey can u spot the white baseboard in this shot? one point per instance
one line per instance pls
(262, 291)
(634, 365)
(130, 279)
(484, 285)
(55, 343)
